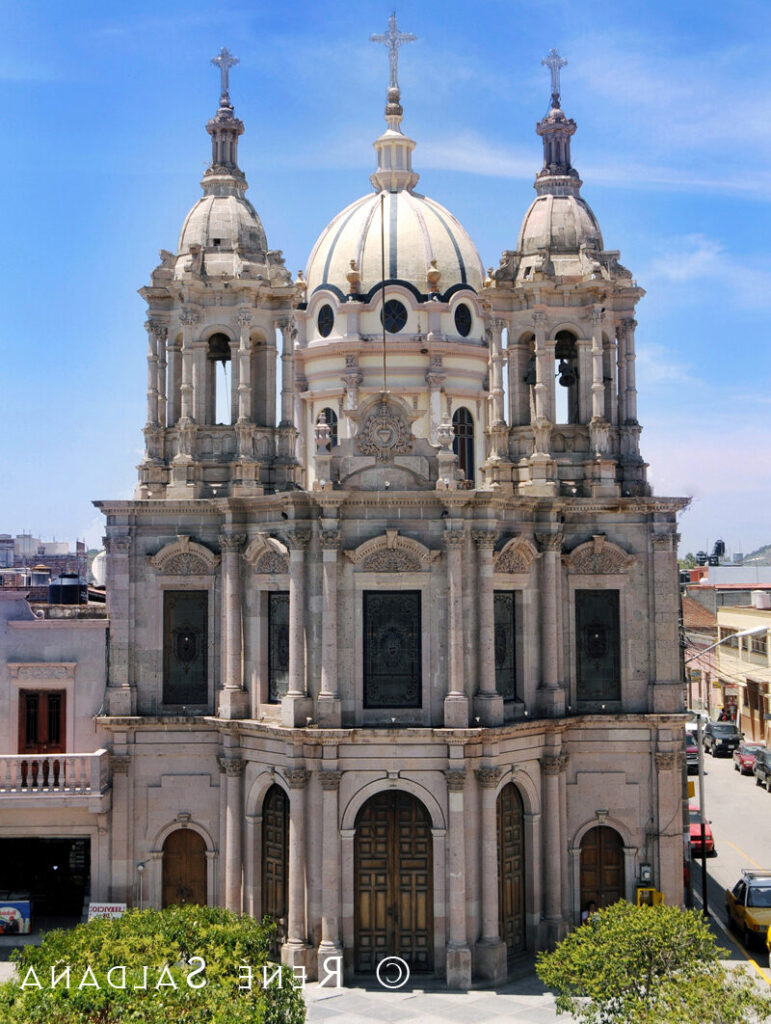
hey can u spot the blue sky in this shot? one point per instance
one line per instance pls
(105, 106)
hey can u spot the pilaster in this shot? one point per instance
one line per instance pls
(296, 705)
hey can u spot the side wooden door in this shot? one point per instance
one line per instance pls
(184, 868)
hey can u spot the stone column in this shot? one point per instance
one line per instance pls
(666, 692)
(584, 353)
(631, 389)
(488, 703)
(296, 705)
(670, 843)
(519, 391)
(233, 698)
(174, 397)
(330, 875)
(490, 951)
(328, 705)
(551, 766)
(541, 397)
(456, 708)
(287, 428)
(499, 436)
(154, 332)
(122, 867)
(234, 774)
(458, 952)
(121, 694)
(551, 697)
(162, 333)
(187, 319)
(435, 380)
(246, 469)
(296, 952)
(204, 385)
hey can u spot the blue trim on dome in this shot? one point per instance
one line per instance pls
(420, 296)
(455, 245)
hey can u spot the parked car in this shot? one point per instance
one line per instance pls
(748, 904)
(721, 738)
(694, 817)
(761, 768)
(691, 753)
(744, 757)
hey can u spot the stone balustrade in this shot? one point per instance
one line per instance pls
(47, 776)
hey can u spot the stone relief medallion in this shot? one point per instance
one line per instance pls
(185, 565)
(385, 433)
(388, 560)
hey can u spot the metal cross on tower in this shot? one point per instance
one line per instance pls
(554, 62)
(224, 61)
(393, 39)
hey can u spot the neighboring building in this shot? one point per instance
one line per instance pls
(743, 675)
(401, 671)
(699, 634)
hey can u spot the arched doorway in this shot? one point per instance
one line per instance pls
(393, 883)
(184, 868)
(511, 869)
(602, 866)
(275, 861)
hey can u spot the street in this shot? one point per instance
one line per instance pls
(740, 813)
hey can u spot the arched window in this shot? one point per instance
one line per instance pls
(331, 417)
(566, 356)
(218, 392)
(463, 445)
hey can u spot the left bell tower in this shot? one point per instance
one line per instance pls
(215, 308)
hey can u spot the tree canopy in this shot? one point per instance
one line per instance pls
(649, 965)
(187, 965)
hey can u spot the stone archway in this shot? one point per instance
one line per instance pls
(184, 868)
(510, 817)
(275, 861)
(393, 882)
(602, 866)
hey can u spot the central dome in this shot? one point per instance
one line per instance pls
(401, 229)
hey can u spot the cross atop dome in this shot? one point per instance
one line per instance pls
(393, 39)
(554, 63)
(224, 61)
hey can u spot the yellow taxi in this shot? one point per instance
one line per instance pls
(748, 905)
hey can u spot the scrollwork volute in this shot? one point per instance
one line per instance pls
(598, 556)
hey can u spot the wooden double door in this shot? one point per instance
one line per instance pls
(393, 881)
(511, 869)
(602, 867)
(275, 862)
(184, 868)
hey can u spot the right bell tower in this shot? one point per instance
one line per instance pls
(568, 307)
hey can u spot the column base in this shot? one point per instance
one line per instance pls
(456, 711)
(490, 960)
(233, 704)
(296, 709)
(300, 957)
(556, 930)
(551, 702)
(458, 967)
(121, 700)
(329, 711)
(488, 708)
(330, 965)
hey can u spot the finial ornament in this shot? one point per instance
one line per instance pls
(224, 61)
(393, 39)
(554, 62)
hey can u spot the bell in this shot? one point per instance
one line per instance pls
(567, 375)
(530, 376)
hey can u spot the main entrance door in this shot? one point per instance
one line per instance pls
(511, 869)
(602, 866)
(393, 883)
(275, 860)
(184, 868)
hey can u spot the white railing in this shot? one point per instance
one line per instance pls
(54, 774)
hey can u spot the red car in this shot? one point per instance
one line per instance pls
(744, 757)
(694, 815)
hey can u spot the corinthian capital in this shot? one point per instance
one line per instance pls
(232, 541)
(550, 541)
(297, 538)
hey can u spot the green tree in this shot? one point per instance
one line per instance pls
(156, 977)
(689, 562)
(649, 965)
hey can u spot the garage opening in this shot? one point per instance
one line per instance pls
(53, 874)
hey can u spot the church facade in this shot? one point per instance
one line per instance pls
(393, 646)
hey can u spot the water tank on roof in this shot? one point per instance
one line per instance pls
(68, 589)
(761, 599)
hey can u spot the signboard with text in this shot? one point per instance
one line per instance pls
(106, 910)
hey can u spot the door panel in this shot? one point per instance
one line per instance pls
(511, 869)
(602, 867)
(393, 861)
(184, 868)
(275, 861)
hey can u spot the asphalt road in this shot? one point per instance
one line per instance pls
(740, 813)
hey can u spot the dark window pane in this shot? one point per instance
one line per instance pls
(278, 645)
(463, 444)
(31, 717)
(395, 316)
(185, 647)
(598, 645)
(505, 657)
(392, 669)
(331, 417)
(325, 321)
(54, 718)
(463, 320)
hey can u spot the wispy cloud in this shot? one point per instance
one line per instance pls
(697, 259)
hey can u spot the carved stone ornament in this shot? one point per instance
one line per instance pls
(553, 764)
(232, 541)
(234, 767)
(329, 539)
(485, 539)
(42, 670)
(391, 553)
(667, 760)
(296, 777)
(384, 433)
(185, 558)
(456, 779)
(267, 555)
(120, 763)
(330, 780)
(598, 556)
(488, 777)
(158, 329)
(516, 555)
(297, 538)
(550, 541)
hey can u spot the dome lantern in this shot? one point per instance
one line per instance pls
(394, 150)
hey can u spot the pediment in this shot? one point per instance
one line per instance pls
(267, 555)
(185, 557)
(598, 556)
(516, 555)
(392, 553)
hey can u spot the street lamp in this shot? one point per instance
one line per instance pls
(700, 745)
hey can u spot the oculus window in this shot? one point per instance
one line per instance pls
(463, 320)
(325, 321)
(394, 316)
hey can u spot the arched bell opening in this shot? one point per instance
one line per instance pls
(219, 391)
(463, 443)
(330, 418)
(566, 359)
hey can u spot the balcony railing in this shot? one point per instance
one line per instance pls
(52, 775)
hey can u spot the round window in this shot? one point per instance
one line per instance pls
(395, 316)
(325, 321)
(463, 320)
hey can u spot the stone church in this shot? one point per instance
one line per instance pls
(396, 662)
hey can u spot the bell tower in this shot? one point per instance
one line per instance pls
(214, 310)
(568, 306)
